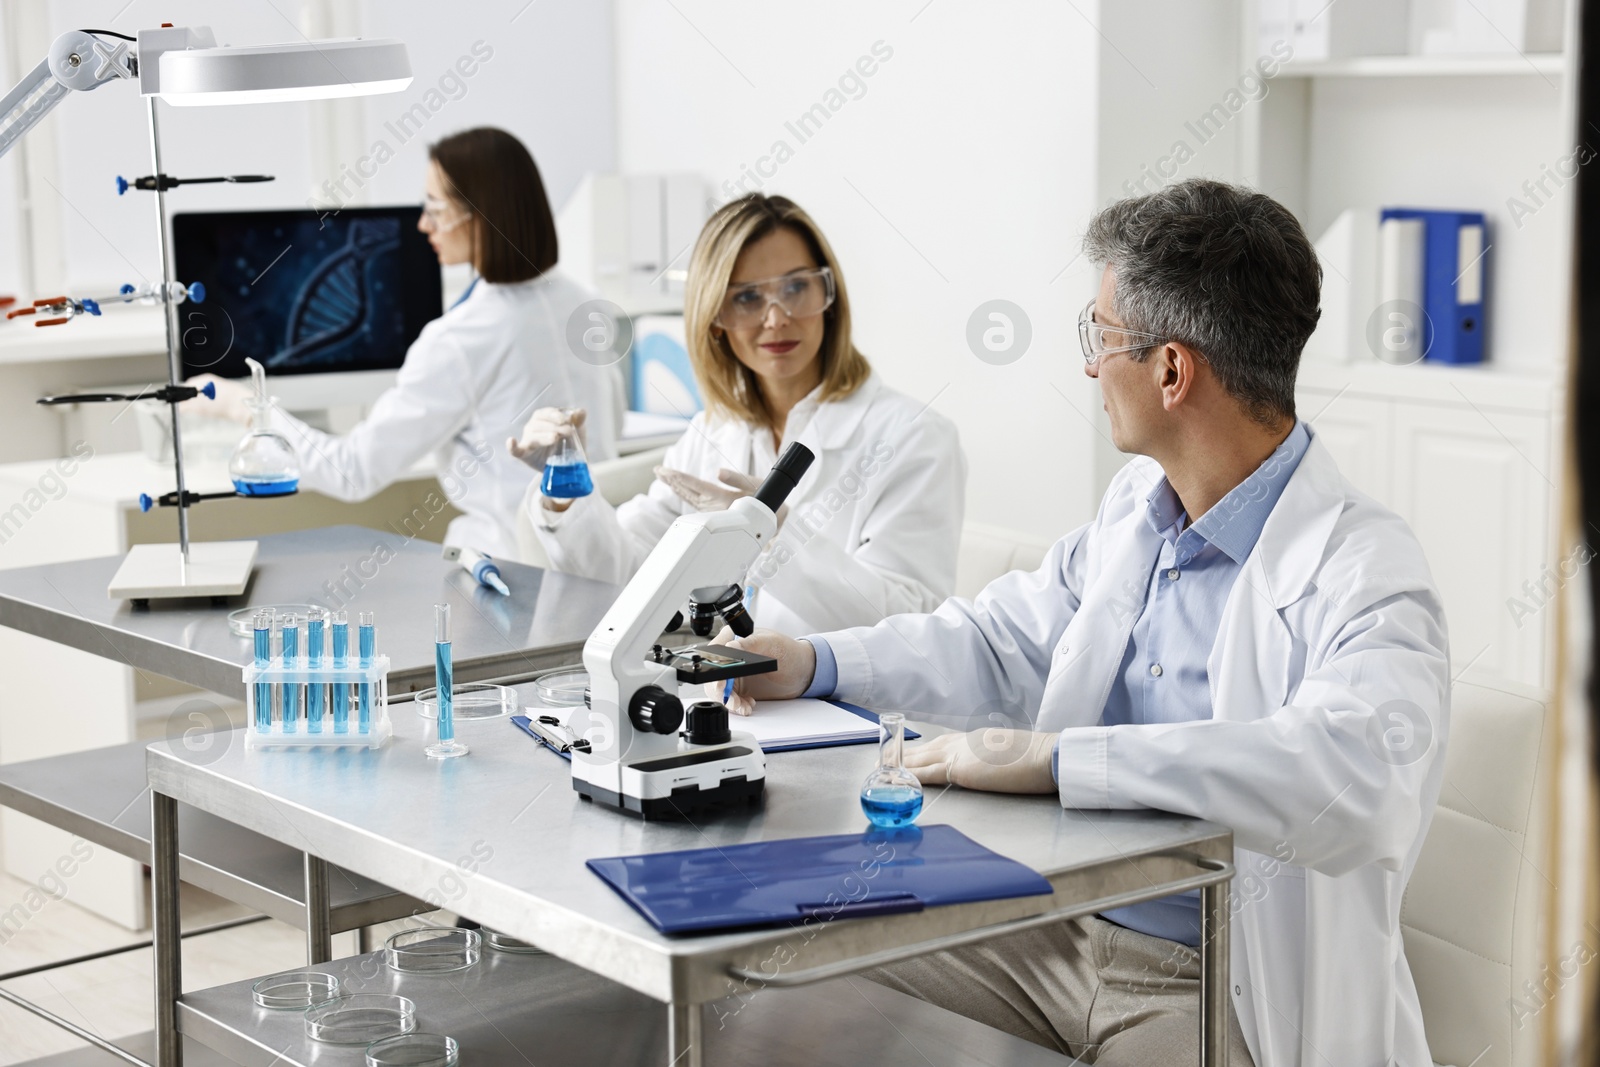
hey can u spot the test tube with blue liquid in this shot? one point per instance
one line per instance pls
(341, 660)
(891, 796)
(291, 660)
(315, 700)
(566, 472)
(367, 642)
(444, 683)
(263, 659)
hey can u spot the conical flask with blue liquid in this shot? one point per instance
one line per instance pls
(566, 472)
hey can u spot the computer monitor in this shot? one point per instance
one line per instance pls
(328, 303)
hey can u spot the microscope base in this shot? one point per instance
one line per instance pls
(737, 792)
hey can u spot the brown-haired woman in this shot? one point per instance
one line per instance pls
(871, 529)
(473, 374)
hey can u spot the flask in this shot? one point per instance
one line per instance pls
(891, 796)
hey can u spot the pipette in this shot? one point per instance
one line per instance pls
(341, 660)
(482, 567)
(314, 690)
(291, 659)
(367, 642)
(443, 679)
(263, 654)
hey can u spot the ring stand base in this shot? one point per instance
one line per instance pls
(214, 568)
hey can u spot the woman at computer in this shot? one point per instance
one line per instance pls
(871, 529)
(475, 373)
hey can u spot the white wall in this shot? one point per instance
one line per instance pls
(961, 171)
(548, 80)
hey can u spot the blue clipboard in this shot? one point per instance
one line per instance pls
(814, 879)
(523, 723)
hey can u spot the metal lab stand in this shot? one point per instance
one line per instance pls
(401, 819)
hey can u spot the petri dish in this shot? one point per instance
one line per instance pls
(506, 943)
(433, 950)
(414, 1050)
(361, 1018)
(563, 688)
(294, 990)
(470, 701)
(242, 623)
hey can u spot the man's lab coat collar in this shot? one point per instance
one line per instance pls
(1294, 540)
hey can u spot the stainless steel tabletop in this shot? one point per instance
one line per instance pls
(102, 796)
(542, 624)
(501, 837)
(513, 1009)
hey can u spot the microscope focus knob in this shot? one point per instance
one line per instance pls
(654, 710)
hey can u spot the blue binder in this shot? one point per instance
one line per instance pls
(773, 883)
(1455, 273)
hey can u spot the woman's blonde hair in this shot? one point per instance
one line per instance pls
(730, 388)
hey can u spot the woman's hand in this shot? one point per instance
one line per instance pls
(544, 432)
(712, 496)
(234, 400)
(797, 663)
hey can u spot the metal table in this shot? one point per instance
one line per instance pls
(517, 1009)
(542, 624)
(500, 836)
(102, 796)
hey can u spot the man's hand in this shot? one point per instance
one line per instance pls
(797, 663)
(994, 760)
(233, 400)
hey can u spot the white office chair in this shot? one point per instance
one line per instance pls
(615, 479)
(1472, 913)
(986, 552)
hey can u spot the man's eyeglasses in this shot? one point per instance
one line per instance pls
(799, 296)
(1100, 340)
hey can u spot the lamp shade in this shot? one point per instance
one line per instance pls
(299, 70)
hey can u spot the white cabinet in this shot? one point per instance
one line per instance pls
(1467, 458)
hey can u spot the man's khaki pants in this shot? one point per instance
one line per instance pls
(1087, 987)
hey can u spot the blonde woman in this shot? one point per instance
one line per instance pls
(872, 528)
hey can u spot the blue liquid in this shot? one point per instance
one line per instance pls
(291, 690)
(443, 672)
(566, 481)
(366, 639)
(315, 690)
(891, 805)
(341, 692)
(274, 487)
(263, 651)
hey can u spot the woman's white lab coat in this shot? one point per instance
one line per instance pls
(872, 528)
(469, 382)
(1329, 681)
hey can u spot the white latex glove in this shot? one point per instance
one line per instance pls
(994, 760)
(234, 399)
(711, 496)
(545, 430)
(797, 663)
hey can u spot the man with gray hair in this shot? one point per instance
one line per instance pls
(1239, 635)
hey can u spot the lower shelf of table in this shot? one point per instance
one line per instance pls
(142, 1045)
(538, 1009)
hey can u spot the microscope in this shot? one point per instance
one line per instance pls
(646, 753)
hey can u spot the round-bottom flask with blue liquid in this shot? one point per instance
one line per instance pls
(891, 796)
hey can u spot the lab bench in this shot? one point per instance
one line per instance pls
(500, 836)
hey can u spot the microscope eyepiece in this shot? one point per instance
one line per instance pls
(785, 475)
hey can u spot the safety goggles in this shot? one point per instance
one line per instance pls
(443, 216)
(1100, 340)
(799, 295)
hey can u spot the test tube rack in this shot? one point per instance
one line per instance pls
(343, 684)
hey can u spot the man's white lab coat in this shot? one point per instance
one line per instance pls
(1329, 681)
